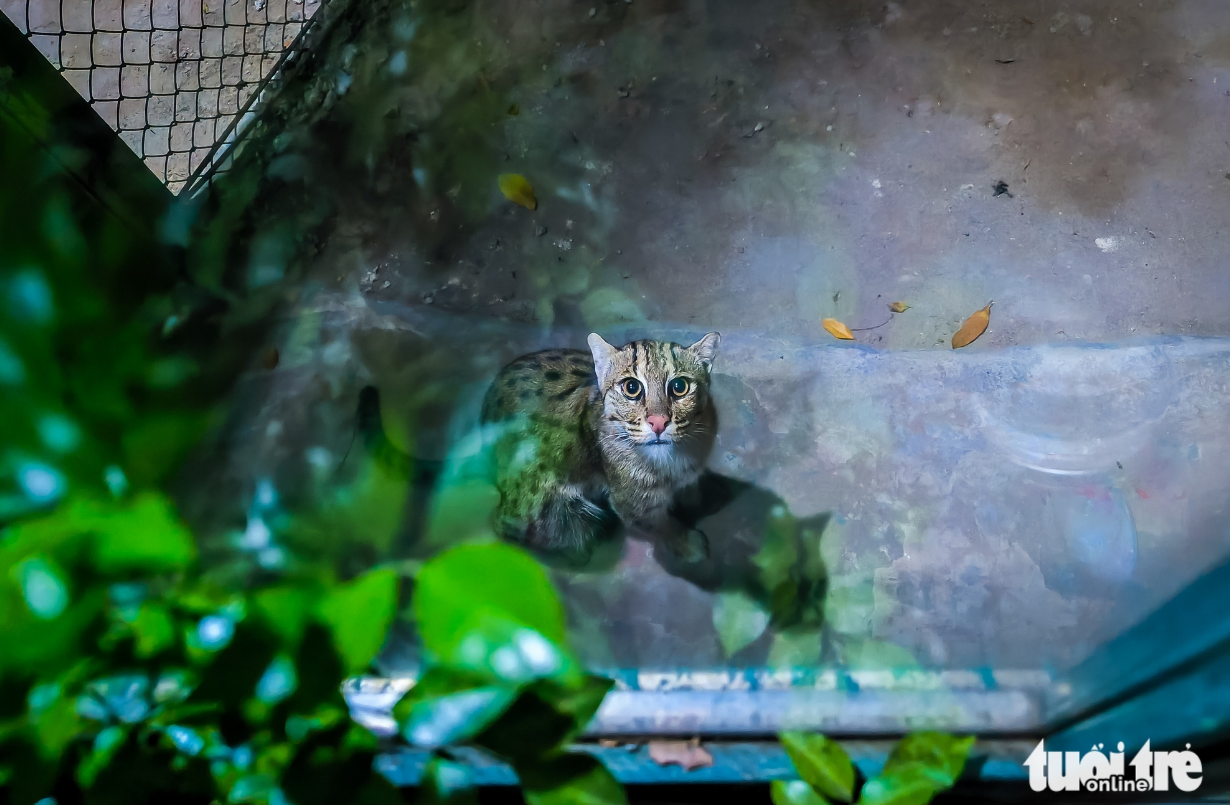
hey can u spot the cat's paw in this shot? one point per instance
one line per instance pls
(692, 546)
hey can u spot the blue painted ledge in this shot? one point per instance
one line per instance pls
(733, 762)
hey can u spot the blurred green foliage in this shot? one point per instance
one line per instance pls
(920, 766)
(501, 677)
(122, 665)
(122, 662)
(131, 670)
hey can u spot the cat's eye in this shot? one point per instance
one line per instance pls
(679, 387)
(632, 388)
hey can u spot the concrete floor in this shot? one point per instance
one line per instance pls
(753, 168)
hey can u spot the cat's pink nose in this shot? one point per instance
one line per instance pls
(658, 423)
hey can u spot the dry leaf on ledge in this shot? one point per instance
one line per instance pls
(837, 329)
(687, 754)
(898, 307)
(974, 326)
(516, 188)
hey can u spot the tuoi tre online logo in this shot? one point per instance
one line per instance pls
(1094, 771)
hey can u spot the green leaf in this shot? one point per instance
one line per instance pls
(546, 717)
(41, 535)
(144, 535)
(437, 681)
(36, 645)
(877, 654)
(285, 610)
(364, 515)
(794, 792)
(792, 649)
(106, 744)
(42, 586)
(359, 614)
(822, 763)
(461, 511)
(252, 788)
(569, 779)
(203, 598)
(738, 619)
(792, 568)
(921, 765)
(942, 754)
(455, 717)
(154, 630)
(301, 728)
(492, 645)
(778, 555)
(580, 701)
(278, 682)
(447, 782)
(360, 739)
(908, 785)
(502, 580)
(57, 726)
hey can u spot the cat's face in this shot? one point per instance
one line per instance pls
(656, 395)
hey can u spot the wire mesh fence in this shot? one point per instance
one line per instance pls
(170, 76)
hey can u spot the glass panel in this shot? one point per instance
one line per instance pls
(887, 533)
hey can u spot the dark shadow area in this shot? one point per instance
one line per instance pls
(755, 545)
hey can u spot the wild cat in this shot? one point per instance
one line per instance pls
(585, 442)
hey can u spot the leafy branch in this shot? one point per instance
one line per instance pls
(134, 665)
(501, 678)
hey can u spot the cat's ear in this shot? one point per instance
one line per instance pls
(604, 356)
(705, 350)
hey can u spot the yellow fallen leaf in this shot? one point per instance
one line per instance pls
(516, 189)
(898, 307)
(837, 329)
(974, 326)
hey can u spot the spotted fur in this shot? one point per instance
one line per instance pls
(576, 451)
